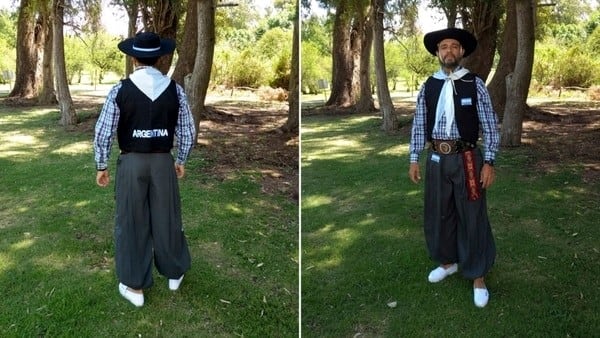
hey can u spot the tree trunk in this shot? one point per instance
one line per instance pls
(67, 111)
(390, 122)
(292, 123)
(161, 17)
(342, 61)
(517, 83)
(506, 64)
(483, 23)
(131, 7)
(365, 102)
(199, 79)
(47, 94)
(27, 57)
(186, 51)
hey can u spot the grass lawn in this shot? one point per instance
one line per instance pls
(56, 245)
(364, 261)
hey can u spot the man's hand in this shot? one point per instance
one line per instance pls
(102, 178)
(179, 170)
(488, 176)
(414, 173)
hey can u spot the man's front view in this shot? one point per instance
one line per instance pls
(453, 107)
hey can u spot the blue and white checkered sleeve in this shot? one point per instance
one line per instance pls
(417, 135)
(488, 120)
(105, 128)
(185, 130)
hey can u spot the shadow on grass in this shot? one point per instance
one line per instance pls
(363, 246)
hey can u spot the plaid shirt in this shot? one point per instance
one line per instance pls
(487, 119)
(109, 120)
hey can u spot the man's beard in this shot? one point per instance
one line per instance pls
(450, 64)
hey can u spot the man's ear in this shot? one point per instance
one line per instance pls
(462, 51)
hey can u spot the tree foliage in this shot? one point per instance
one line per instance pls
(315, 66)
(8, 33)
(253, 50)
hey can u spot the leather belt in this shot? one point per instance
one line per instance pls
(123, 152)
(447, 147)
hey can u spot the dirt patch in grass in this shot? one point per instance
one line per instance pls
(561, 134)
(238, 137)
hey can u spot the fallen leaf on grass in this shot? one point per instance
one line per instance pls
(392, 304)
(224, 301)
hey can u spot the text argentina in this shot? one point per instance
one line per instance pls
(150, 133)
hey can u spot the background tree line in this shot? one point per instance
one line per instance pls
(520, 43)
(220, 44)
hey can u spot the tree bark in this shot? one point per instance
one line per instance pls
(506, 64)
(365, 102)
(342, 60)
(47, 93)
(390, 122)
(517, 83)
(161, 17)
(482, 20)
(292, 122)
(27, 53)
(186, 51)
(67, 111)
(131, 7)
(197, 86)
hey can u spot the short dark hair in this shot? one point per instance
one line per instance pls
(151, 61)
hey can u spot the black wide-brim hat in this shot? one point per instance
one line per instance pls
(147, 45)
(466, 39)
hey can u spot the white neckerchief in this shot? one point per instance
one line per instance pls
(445, 105)
(150, 81)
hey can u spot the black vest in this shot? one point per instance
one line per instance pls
(465, 106)
(146, 126)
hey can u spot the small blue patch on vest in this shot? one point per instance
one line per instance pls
(466, 101)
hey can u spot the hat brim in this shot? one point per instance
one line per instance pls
(466, 39)
(167, 46)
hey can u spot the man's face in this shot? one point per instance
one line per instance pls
(450, 53)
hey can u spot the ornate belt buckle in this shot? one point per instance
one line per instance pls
(445, 148)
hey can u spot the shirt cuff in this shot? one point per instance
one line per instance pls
(414, 158)
(489, 156)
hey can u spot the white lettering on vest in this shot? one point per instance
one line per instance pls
(137, 133)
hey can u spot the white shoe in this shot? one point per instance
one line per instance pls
(480, 297)
(439, 273)
(136, 299)
(175, 283)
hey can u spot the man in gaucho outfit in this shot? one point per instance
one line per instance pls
(453, 107)
(146, 112)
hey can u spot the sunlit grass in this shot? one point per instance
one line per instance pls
(363, 245)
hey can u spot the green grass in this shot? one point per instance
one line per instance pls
(363, 245)
(56, 246)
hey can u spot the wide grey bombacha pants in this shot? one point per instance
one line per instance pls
(148, 220)
(456, 230)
